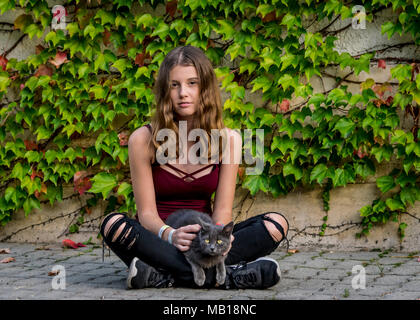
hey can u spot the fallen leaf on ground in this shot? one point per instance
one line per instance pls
(292, 251)
(7, 260)
(42, 248)
(67, 243)
(53, 273)
(5, 250)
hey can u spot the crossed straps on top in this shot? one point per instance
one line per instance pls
(186, 174)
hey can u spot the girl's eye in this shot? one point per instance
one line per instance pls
(219, 241)
(175, 84)
(207, 241)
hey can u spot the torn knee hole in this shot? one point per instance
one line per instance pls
(118, 232)
(124, 237)
(273, 229)
(131, 243)
(111, 222)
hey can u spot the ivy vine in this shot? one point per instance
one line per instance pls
(80, 81)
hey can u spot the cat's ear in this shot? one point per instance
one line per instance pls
(227, 229)
(204, 225)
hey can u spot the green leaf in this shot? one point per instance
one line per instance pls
(261, 82)
(124, 189)
(296, 171)
(289, 20)
(319, 173)
(6, 5)
(409, 195)
(255, 183)
(122, 65)
(265, 9)
(29, 204)
(103, 183)
(345, 126)
(366, 211)
(342, 177)
(394, 204)
(283, 143)
(226, 28)
(401, 72)
(316, 99)
(161, 30)
(4, 81)
(385, 183)
(388, 28)
(146, 20)
(336, 95)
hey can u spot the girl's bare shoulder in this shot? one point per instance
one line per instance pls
(139, 139)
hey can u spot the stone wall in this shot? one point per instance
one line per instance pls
(303, 208)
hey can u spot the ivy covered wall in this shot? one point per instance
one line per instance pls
(333, 84)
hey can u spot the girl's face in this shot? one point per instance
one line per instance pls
(185, 91)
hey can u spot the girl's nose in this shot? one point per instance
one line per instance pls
(182, 90)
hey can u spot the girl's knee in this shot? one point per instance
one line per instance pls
(275, 232)
(109, 221)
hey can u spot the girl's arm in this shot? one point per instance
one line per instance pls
(142, 180)
(225, 192)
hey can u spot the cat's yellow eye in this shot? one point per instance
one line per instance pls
(207, 241)
(219, 241)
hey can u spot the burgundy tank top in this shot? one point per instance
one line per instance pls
(173, 192)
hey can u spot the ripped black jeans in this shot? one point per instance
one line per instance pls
(127, 238)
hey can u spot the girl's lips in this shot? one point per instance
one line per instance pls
(184, 104)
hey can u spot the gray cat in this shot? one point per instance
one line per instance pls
(207, 247)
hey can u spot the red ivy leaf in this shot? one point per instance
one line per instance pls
(171, 7)
(82, 183)
(30, 145)
(381, 64)
(3, 62)
(60, 58)
(67, 243)
(39, 48)
(269, 17)
(140, 59)
(389, 100)
(284, 106)
(43, 70)
(107, 35)
(7, 260)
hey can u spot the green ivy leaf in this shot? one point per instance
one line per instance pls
(103, 183)
(319, 173)
(394, 204)
(255, 183)
(294, 170)
(385, 183)
(345, 126)
(122, 65)
(29, 204)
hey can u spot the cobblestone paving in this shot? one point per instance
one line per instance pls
(306, 275)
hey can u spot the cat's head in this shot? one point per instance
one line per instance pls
(213, 239)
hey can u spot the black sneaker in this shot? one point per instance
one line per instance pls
(259, 274)
(141, 275)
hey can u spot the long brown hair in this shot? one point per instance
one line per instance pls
(209, 114)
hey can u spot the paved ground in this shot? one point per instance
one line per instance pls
(305, 275)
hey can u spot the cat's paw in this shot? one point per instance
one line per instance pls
(220, 278)
(199, 281)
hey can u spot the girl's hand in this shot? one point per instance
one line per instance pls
(230, 244)
(182, 237)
